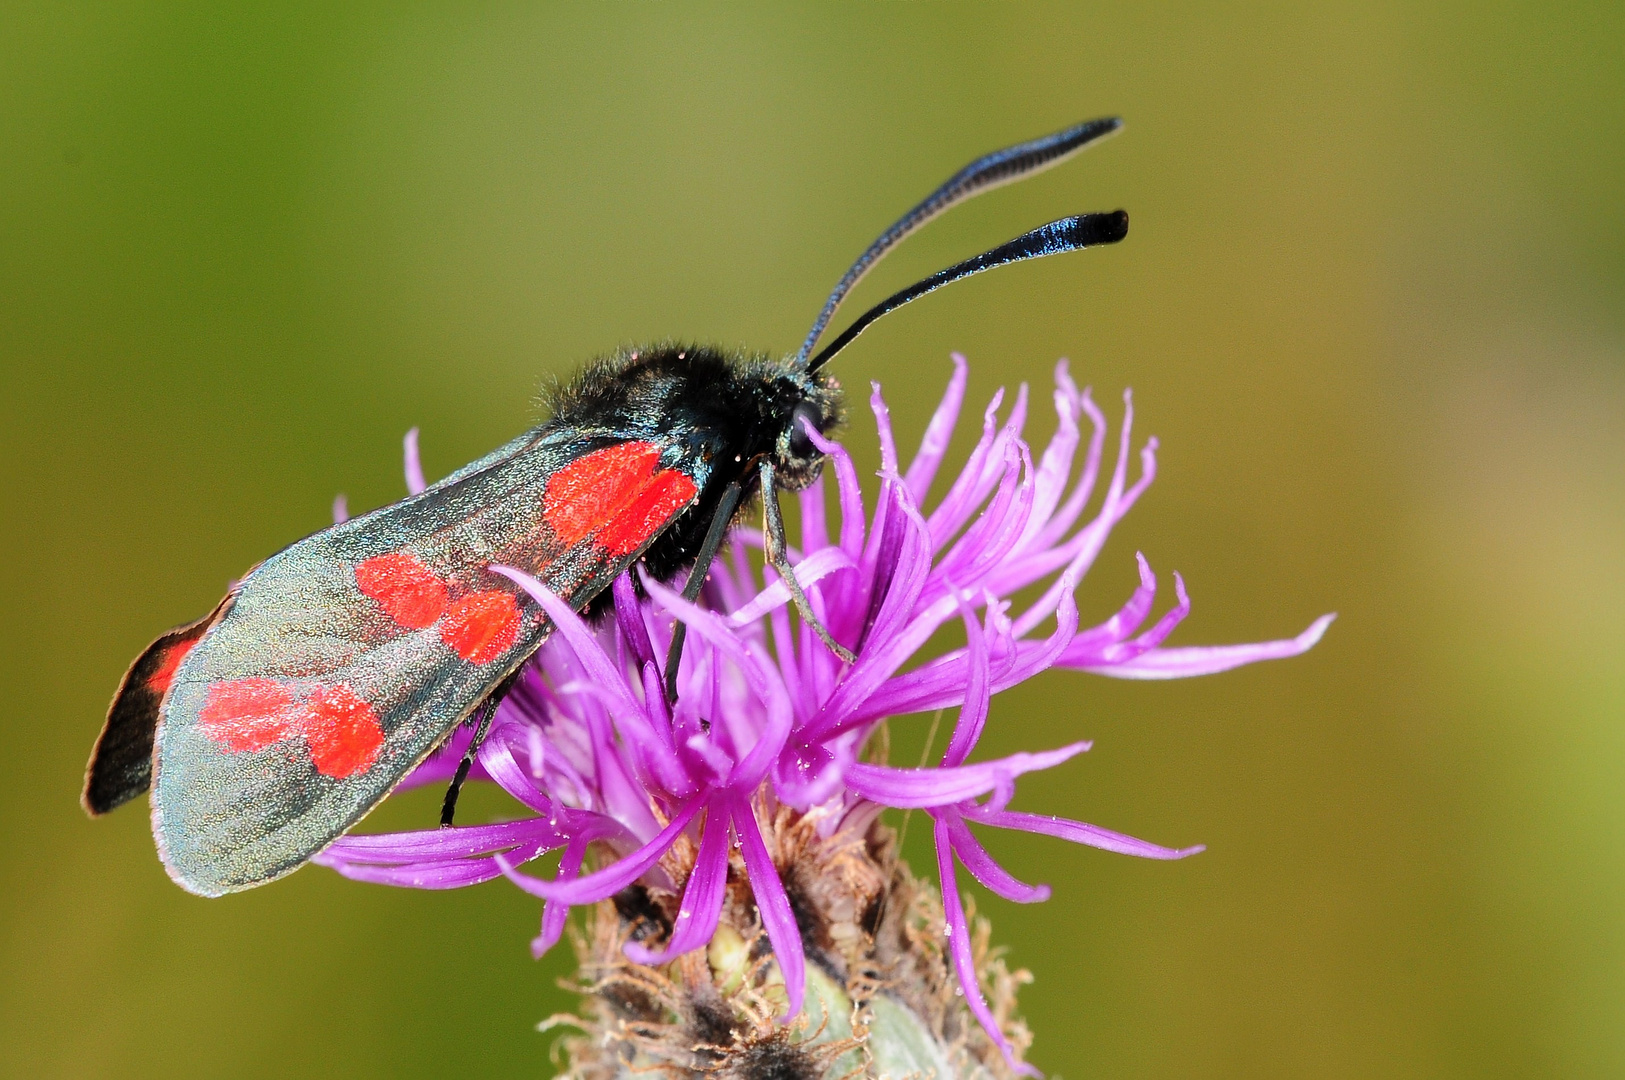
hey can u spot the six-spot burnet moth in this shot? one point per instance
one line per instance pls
(269, 727)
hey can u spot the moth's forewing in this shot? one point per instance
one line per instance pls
(121, 763)
(348, 657)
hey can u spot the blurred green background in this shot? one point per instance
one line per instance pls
(1373, 303)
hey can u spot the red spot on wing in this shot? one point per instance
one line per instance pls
(247, 714)
(666, 493)
(481, 626)
(341, 730)
(618, 492)
(408, 591)
(158, 682)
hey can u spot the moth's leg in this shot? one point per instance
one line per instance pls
(482, 727)
(696, 580)
(773, 534)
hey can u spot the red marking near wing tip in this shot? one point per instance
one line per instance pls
(616, 492)
(342, 731)
(408, 591)
(481, 626)
(247, 714)
(158, 682)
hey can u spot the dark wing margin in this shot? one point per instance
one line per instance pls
(120, 765)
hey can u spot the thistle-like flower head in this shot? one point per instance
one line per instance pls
(767, 718)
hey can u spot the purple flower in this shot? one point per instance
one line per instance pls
(767, 717)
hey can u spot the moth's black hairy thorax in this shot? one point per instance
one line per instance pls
(731, 411)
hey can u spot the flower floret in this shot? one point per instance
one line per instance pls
(767, 717)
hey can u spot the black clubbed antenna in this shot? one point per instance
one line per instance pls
(1068, 234)
(984, 174)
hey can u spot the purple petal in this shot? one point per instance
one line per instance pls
(978, 692)
(624, 794)
(792, 664)
(1076, 831)
(942, 682)
(674, 776)
(1069, 511)
(744, 574)
(715, 760)
(958, 932)
(548, 758)
(851, 495)
(435, 874)
(556, 912)
(773, 906)
(1128, 618)
(597, 665)
(1056, 463)
(462, 841)
(763, 680)
(987, 476)
(1170, 618)
(414, 466)
(497, 757)
(938, 433)
(629, 619)
(602, 884)
(814, 526)
(815, 567)
(1078, 552)
(1018, 413)
(959, 501)
(809, 774)
(1081, 653)
(983, 867)
(888, 441)
(441, 765)
(896, 642)
(702, 896)
(878, 567)
(1208, 660)
(1114, 492)
(900, 569)
(647, 743)
(341, 509)
(924, 788)
(1000, 525)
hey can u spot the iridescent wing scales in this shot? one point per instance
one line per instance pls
(345, 659)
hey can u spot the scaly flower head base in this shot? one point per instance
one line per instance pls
(882, 999)
(683, 815)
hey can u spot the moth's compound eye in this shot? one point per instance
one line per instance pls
(801, 444)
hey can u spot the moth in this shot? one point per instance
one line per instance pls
(272, 725)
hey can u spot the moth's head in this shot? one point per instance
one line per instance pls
(815, 400)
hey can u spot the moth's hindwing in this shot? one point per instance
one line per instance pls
(121, 764)
(345, 659)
